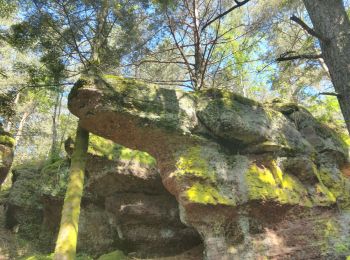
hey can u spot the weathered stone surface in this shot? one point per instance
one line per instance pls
(225, 159)
(124, 205)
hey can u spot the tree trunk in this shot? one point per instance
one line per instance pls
(67, 237)
(330, 20)
(23, 120)
(55, 118)
(9, 123)
(99, 38)
(198, 59)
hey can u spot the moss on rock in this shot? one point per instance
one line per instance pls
(207, 194)
(102, 147)
(334, 239)
(193, 163)
(116, 255)
(272, 184)
(335, 185)
(7, 140)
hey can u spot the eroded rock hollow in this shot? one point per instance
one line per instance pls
(124, 206)
(255, 180)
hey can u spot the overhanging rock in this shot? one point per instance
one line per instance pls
(235, 166)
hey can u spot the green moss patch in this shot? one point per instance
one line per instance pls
(206, 194)
(272, 184)
(336, 188)
(332, 237)
(227, 96)
(116, 255)
(106, 148)
(193, 163)
(7, 140)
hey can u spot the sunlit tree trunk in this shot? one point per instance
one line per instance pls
(68, 234)
(9, 123)
(198, 64)
(331, 21)
(30, 109)
(99, 39)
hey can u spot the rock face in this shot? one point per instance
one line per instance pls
(125, 204)
(6, 153)
(254, 180)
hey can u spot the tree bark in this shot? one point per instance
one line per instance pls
(23, 121)
(99, 38)
(68, 234)
(198, 64)
(55, 118)
(330, 20)
(9, 123)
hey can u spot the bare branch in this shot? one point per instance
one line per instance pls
(160, 61)
(309, 30)
(238, 4)
(179, 47)
(329, 94)
(3, 74)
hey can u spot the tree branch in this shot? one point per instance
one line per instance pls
(329, 94)
(238, 4)
(309, 30)
(285, 57)
(3, 74)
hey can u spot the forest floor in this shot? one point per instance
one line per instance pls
(11, 246)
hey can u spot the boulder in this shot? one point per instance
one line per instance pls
(228, 161)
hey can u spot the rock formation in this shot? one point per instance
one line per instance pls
(6, 153)
(124, 204)
(255, 180)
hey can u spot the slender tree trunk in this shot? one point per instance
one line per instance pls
(198, 64)
(9, 123)
(99, 37)
(330, 20)
(67, 237)
(54, 127)
(23, 120)
(55, 119)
